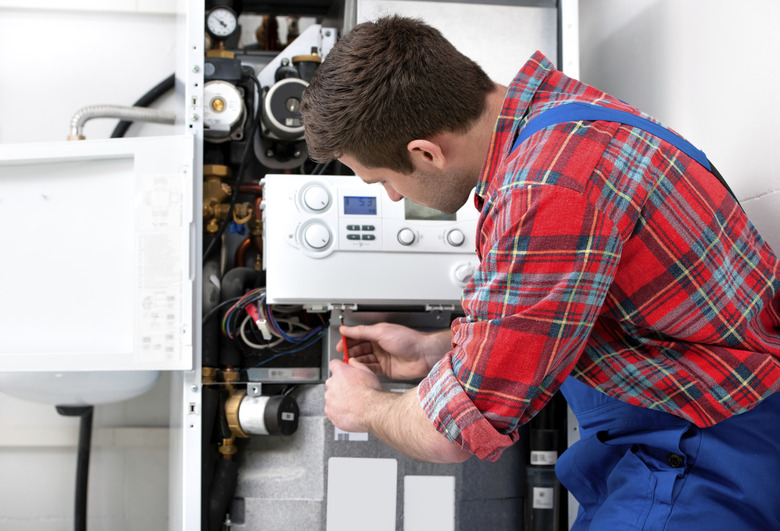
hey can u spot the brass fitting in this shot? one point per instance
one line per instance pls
(230, 376)
(255, 227)
(215, 191)
(308, 58)
(228, 448)
(232, 405)
(220, 51)
(209, 375)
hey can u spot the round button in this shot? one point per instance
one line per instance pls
(316, 236)
(316, 198)
(463, 273)
(406, 236)
(456, 238)
(675, 460)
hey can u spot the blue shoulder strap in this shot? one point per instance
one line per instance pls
(575, 112)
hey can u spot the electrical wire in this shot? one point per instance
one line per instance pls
(249, 342)
(218, 307)
(253, 304)
(322, 168)
(292, 351)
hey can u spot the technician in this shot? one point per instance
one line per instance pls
(614, 266)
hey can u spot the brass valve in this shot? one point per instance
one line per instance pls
(215, 191)
(228, 448)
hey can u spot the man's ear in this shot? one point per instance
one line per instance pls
(426, 153)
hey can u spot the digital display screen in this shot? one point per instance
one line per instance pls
(359, 205)
(415, 212)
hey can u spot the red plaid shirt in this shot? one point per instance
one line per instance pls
(608, 255)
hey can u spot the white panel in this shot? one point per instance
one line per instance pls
(429, 503)
(73, 238)
(100, 273)
(361, 494)
(499, 38)
(379, 271)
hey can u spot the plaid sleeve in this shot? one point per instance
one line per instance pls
(548, 259)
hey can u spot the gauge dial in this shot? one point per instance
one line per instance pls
(221, 22)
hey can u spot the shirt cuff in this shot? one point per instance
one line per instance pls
(452, 413)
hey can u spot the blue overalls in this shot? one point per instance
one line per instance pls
(635, 468)
(640, 469)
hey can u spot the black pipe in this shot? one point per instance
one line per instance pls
(223, 486)
(210, 329)
(82, 461)
(147, 99)
(211, 403)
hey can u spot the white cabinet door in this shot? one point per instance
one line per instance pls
(96, 240)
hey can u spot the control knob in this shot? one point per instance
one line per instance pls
(455, 237)
(463, 273)
(316, 236)
(406, 236)
(315, 198)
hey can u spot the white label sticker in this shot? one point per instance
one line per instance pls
(342, 435)
(544, 498)
(544, 458)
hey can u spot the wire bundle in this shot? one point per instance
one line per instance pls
(274, 329)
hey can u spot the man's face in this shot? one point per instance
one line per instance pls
(443, 191)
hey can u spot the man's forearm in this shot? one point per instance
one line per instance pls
(399, 421)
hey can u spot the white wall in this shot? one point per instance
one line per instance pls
(53, 61)
(707, 68)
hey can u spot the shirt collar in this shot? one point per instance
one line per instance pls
(513, 115)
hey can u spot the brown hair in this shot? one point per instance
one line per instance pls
(384, 84)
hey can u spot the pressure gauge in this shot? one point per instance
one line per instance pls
(221, 22)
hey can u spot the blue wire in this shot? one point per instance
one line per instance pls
(300, 348)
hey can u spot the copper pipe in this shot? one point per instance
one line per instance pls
(241, 251)
(254, 189)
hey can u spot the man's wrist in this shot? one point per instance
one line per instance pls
(437, 345)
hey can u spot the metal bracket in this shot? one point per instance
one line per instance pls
(329, 306)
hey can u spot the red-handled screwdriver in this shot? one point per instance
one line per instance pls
(344, 341)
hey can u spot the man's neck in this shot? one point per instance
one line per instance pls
(477, 141)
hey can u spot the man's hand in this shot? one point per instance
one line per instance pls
(349, 392)
(355, 402)
(395, 351)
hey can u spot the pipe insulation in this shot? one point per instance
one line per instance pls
(146, 100)
(85, 413)
(133, 114)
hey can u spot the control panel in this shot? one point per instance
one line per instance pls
(335, 239)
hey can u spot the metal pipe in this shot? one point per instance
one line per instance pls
(134, 114)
